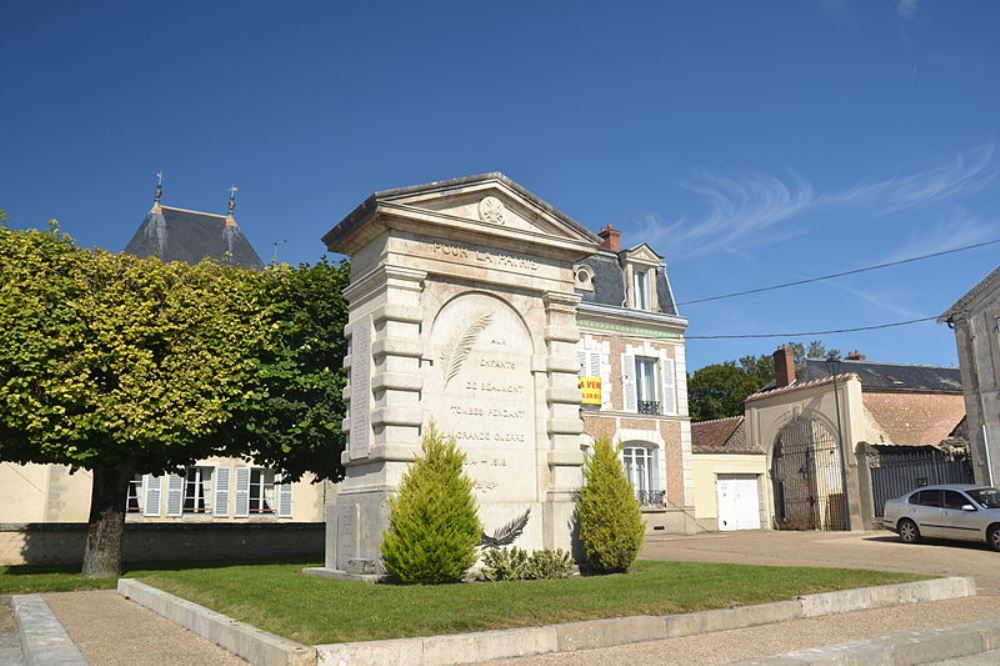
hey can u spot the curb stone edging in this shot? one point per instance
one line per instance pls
(261, 647)
(255, 645)
(43, 639)
(912, 647)
(487, 645)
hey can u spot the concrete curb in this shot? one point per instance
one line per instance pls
(43, 639)
(255, 645)
(487, 645)
(913, 647)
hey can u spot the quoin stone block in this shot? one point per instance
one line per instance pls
(462, 312)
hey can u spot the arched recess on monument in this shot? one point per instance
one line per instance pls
(807, 475)
(499, 301)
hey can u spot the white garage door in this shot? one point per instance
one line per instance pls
(739, 502)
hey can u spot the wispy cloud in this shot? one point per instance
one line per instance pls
(906, 8)
(959, 231)
(742, 208)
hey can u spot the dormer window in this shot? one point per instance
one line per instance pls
(640, 286)
(584, 278)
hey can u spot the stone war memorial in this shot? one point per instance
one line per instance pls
(462, 312)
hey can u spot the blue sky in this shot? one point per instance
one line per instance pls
(750, 143)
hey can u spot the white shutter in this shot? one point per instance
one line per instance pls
(152, 484)
(605, 365)
(581, 359)
(669, 386)
(594, 365)
(629, 400)
(284, 493)
(220, 505)
(242, 492)
(175, 494)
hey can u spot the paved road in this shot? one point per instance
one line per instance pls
(110, 630)
(723, 647)
(853, 550)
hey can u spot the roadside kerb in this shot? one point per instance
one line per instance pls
(253, 644)
(257, 646)
(43, 639)
(905, 649)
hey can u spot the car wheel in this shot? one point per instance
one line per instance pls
(908, 531)
(993, 537)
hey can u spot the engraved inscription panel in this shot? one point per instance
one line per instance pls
(483, 394)
(361, 359)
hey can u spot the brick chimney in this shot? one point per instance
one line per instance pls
(855, 356)
(612, 238)
(784, 366)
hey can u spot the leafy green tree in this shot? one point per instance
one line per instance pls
(292, 419)
(117, 365)
(717, 391)
(608, 514)
(433, 525)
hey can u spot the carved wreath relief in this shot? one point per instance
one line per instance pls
(492, 210)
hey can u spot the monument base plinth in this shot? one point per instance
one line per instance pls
(337, 574)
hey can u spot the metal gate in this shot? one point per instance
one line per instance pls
(896, 470)
(808, 477)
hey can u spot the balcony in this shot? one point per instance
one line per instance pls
(649, 406)
(651, 498)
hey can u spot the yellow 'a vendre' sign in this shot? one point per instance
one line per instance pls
(590, 388)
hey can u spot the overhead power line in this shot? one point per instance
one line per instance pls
(796, 283)
(803, 334)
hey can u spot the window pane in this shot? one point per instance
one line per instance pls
(955, 500)
(930, 498)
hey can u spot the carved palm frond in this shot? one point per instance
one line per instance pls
(460, 345)
(506, 535)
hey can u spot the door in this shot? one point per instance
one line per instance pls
(738, 502)
(957, 523)
(926, 510)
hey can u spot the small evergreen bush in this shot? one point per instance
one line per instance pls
(505, 564)
(608, 514)
(433, 524)
(549, 563)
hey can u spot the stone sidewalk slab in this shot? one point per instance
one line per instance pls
(44, 641)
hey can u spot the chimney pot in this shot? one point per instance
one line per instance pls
(784, 366)
(611, 237)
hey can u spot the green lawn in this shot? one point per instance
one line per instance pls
(279, 598)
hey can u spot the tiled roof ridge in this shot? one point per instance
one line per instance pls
(968, 296)
(797, 385)
(724, 418)
(885, 363)
(196, 212)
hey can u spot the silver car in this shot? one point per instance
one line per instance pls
(963, 512)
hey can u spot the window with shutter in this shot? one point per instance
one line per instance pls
(284, 492)
(221, 504)
(594, 364)
(667, 369)
(153, 485)
(175, 494)
(242, 492)
(630, 402)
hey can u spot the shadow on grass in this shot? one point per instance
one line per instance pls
(42, 569)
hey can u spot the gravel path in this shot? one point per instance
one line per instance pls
(723, 647)
(110, 630)
(10, 646)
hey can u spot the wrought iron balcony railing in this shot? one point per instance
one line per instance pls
(649, 407)
(651, 497)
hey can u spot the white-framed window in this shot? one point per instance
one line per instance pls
(133, 501)
(648, 384)
(640, 289)
(197, 490)
(640, 462)
(261, 491)
(647, 396)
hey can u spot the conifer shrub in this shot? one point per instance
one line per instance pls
(608, 514)
(433, 524)
(549, 563)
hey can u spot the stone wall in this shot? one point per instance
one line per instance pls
(63, 543)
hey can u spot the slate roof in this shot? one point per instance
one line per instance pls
(886, 376)
(609, 282)
(176, 234)
(721, 436)
(991, 281)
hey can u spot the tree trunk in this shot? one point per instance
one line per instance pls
(103, 556)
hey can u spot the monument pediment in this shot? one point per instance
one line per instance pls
(483, 206)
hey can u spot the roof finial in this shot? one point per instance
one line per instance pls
(158, 192)
(230, 219)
